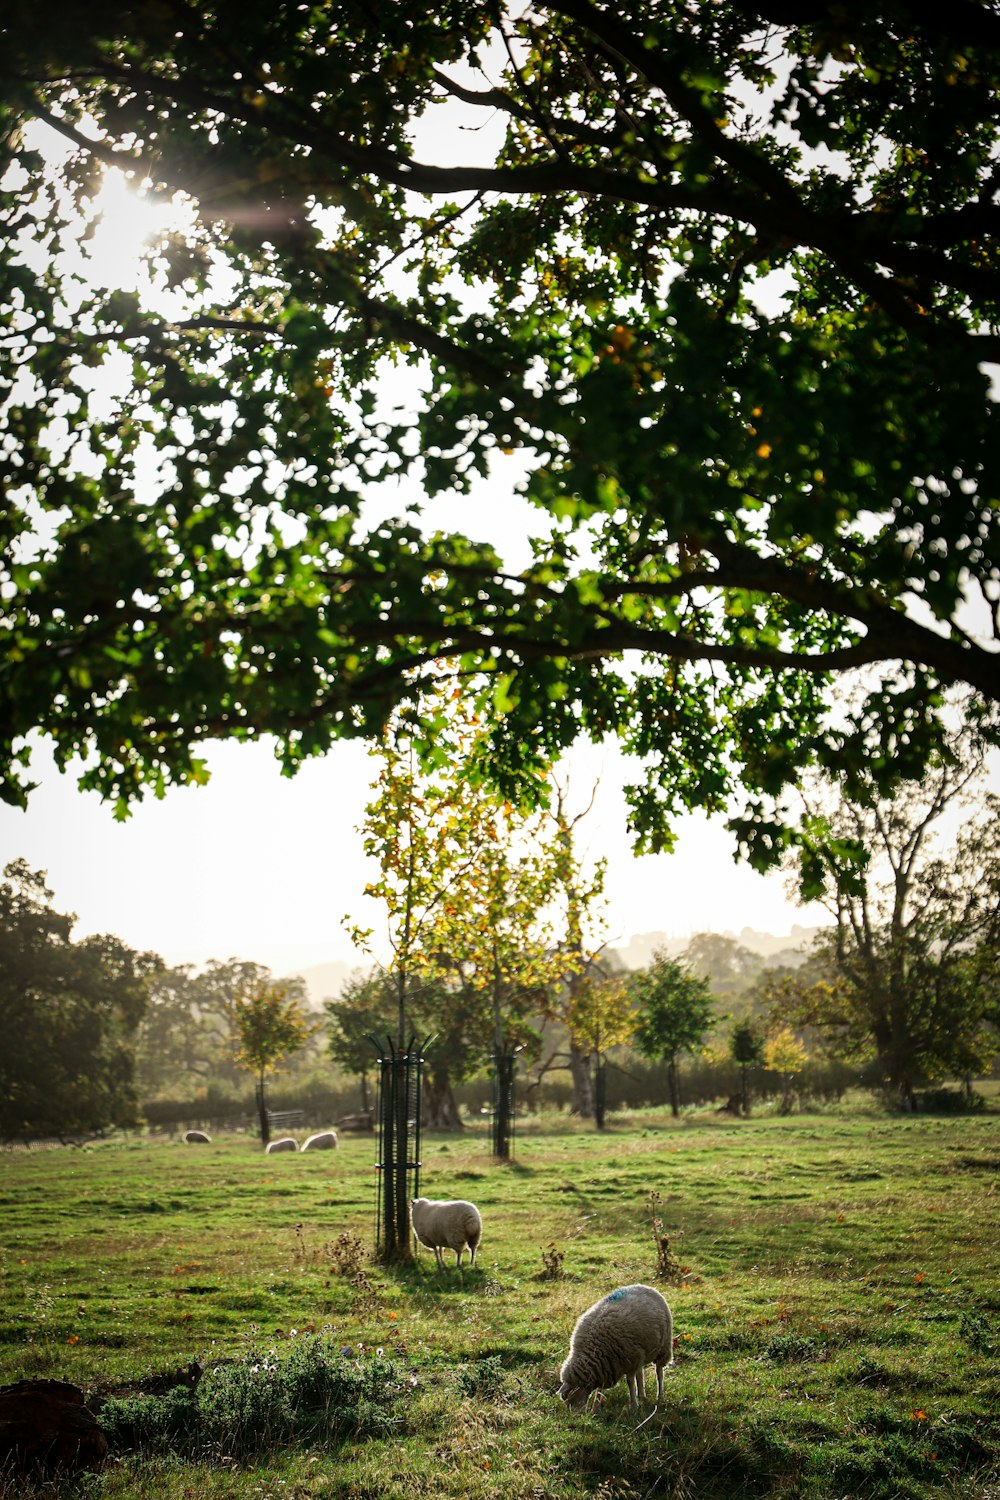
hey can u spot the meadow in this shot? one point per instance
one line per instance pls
(834, 1282)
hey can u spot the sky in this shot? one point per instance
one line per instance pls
(259, 866)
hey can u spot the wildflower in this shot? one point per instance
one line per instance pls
(74, 1338)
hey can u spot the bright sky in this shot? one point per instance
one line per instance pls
(261, 867)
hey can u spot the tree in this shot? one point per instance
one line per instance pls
(366, 1007)
(726, 289)
(910, 968)
(729, 967)
(269, 1022)
(598, 1017)
(185, 1036)
(746, 1047)
(68, 1015)
(784, 1053)
(674, 1013)
(585, 992)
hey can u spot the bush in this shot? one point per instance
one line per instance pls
(949, 1102)
(259, 1402)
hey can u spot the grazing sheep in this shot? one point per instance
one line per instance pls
(323, 1140)
(286, 1143)
(197, 1138)
(447, 1222)
(619, 1336)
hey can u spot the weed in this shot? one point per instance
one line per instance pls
(367, 1296)
(347, 1254)
(483, 1379)
(552, 1264)
(667, 1267)
(978, 1331)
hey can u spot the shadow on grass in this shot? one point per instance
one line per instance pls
(425, 1278)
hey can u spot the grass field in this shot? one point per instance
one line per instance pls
(835, 1294)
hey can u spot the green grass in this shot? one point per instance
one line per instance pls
(837, 1318)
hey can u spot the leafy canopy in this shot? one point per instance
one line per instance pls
(716, 285)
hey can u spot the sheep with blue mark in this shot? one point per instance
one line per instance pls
(617, 1338)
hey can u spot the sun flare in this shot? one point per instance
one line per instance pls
(127, 223)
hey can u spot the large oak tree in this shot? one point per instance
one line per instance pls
(723, 282)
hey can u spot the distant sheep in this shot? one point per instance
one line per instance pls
(323, 1140)
(447, 1223)
(618, 1337)
(286, 1143)
(197, 1138)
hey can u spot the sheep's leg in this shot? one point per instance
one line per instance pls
(659, 1383)
(438, 1256)
(472, 1255)
(640, 1380)
(633, 1398)
(458, 1259)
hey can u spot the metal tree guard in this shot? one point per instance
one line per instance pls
(504, 1070)
(397, 1143)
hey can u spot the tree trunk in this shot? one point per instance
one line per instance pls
(440, 1109)
(675, 1093)
(583, 1089)
(744, 1089)
(600, 1091)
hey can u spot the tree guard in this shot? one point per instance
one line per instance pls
(397, 1143)
(504, 1072)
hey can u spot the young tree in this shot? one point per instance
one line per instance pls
(912, 961)
(746, 1047)
(787, 207)
(599, 1017)
(68, 1016)
(499, 937)
(269, 1023)
(577, 1000)
(786, 1055)
(674, 1013)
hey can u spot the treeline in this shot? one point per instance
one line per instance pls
(494, 926)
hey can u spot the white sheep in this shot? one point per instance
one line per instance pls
(323, 1140)
(447, 1222)
(286, 1143)
(197, 1138)
(619, 1336)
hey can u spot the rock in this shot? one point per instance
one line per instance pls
(46, 1425)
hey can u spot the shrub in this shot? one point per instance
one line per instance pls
(260, 1401)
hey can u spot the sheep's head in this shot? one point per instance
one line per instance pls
(575, 1396)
